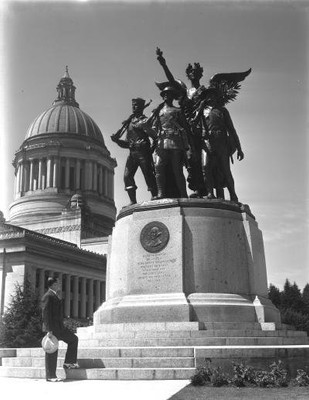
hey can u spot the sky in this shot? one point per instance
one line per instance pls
(110, 50)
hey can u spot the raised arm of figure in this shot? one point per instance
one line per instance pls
(162, 62)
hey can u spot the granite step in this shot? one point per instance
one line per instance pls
(204, 341)
(182, 326)
(114, 352)
(149, 363)
(188, 334)
(102, 373)
(119, 362)
(278, 352)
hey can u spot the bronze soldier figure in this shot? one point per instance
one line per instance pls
(187, 102)
(171, 146)
(221, 141)
(138, 142)
(213, 132)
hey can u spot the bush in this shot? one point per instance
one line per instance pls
(299, 320)
(243, 375)
(21, 323)
(247, 376)
(302, 378)
(218, 378)
(276, 377)
(202, 375)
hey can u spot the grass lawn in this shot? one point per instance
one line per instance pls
(229, 393)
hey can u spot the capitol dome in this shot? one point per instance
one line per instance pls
(64, 155)
(65, 116)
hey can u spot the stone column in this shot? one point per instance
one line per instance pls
(44, 170)
(75, 297)
(97, 294)
(56, 172)
(49, 172)
(26, 177)
(87, 175)
(77, 175)
(106, 182)
(21, 177)
(83, 298)
(102, 291)
(17, 179)
(59, 275)
(100, 179)
(90, 175)
(41, 282)
(67, 295)
(112, 184)
(95, 177)
(90, 298)
(67, 173)
(40, 175)
(31, 175)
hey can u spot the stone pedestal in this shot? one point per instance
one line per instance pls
(181, 260)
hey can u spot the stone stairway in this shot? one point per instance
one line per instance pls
(164, 350)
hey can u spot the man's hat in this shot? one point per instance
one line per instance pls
(50, 344)
(170, 89)
(178, 88)
(139, 100)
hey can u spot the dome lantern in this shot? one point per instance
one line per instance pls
(66, 90)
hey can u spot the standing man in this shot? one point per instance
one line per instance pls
(52, 314)
(172, 145)
(189, 100)
(137, 141)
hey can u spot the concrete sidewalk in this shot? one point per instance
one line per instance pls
(39, 389)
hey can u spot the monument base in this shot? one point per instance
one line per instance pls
(144, 308)
(186, 260)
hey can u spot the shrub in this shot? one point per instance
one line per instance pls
(207, 375)
(247, 376)
(302, 378)
(243, 375)
(21, 323)
(202, 375)
(218, 378)
(299, 320)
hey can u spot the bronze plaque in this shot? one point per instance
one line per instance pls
(154, 237)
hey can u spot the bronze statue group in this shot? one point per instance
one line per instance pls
(198, 134)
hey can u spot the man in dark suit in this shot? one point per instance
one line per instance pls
(52, 314)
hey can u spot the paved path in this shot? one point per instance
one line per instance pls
(39, 389)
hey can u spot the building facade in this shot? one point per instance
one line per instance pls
(63, 209)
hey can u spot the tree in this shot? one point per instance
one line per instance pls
(291, 297)
(305, 297)
(274, 295)
(21, 324)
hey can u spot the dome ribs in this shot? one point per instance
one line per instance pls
(74, 113)
(86, 133)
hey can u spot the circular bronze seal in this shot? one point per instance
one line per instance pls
(154, 237)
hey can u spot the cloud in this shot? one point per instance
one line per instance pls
(286, 222)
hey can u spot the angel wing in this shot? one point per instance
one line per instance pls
(228, 84)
